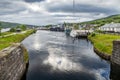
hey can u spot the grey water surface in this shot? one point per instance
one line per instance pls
(54, 56)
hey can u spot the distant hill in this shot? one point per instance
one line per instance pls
(8, 24)
(102, 21)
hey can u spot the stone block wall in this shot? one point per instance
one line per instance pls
(115, 58)
(12, 64)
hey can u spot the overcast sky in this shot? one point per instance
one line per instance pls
(40, 12)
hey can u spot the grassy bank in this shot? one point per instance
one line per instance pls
(104, 42)
(7, 41)
(6, 33)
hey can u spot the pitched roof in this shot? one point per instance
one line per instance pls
(111, 25)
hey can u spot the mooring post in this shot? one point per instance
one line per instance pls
(115, 61)
(115, 58)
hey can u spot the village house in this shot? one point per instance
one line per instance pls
(87, 26)
(18, 30)
(112, 27)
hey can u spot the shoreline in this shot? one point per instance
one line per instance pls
(26, 57)
(102, 55)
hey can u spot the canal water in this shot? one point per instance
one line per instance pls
(54, 56)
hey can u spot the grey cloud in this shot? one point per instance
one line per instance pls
(33, 1)
(8, 7)
(4, 4)
(21, 11)
(80, 8)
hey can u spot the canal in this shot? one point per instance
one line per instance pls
(53, 56)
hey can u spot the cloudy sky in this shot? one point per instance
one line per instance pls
(40, 12)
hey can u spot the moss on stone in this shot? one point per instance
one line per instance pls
(26, 56)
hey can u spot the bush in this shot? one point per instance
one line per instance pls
(23, 27)
(12, 30)
(76, 27)
(93, 34)
(99, 31)
(0, 31)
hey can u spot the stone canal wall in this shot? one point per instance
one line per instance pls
(115, 58)
(12, 64)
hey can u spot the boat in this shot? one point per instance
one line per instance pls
(67, 31)
(73, 33)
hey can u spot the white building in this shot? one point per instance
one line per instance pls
(112, 27)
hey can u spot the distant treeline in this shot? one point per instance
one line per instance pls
(20, 28)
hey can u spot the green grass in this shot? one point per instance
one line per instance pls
(7, 41)
(104, 42)
(5, 33)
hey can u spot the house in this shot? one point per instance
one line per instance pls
(80, 26)
(18, 30)
(112, 27)
(87, 26)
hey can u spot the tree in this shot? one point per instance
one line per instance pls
(76, 27)
(48, 26)
(0, 28)
(12, 30)
(23, 27)
(65, 24)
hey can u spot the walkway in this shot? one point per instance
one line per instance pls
(13, 34)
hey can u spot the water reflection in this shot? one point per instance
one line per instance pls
(59, 61)
(54, 56)
(36, 43)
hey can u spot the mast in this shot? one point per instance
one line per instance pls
(73, 7)
(73, 11)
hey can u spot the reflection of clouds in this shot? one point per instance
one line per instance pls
(37, 46)
(37, 43)
(58, 60)
(63, 58)
(59, 38)
(60, 44)
(101, 74)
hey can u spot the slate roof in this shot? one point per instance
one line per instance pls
(111, 25)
